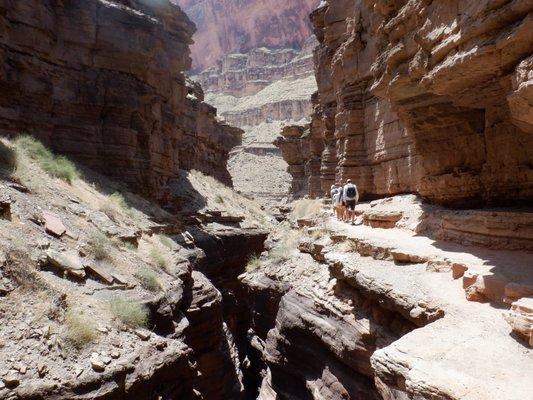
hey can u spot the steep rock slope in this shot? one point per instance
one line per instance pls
(231, 26)
(102, 81)
(426, 97)
(102, 294)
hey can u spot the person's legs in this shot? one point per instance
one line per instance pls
(351, 210)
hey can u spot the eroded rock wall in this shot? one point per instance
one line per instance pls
(102, 82)
(231, 26)
(426, 97)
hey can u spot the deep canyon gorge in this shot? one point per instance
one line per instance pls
(165, 222)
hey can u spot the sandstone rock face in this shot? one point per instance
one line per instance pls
(431, 98)
(102, 82)
(232, 26)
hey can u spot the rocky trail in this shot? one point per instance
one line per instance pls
(414, 315)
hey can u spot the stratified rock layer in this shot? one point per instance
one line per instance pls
(232, 26)
(101, 81)
(426, 97)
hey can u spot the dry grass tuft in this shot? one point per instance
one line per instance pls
(159, 257)
(285, 246)
(79, 332)
(148, 280)
(307, 208)
(100, 246)
(8, 158)
(115, 205)
(128, 312)
(54, 165)
(254, 263)
(166, 241)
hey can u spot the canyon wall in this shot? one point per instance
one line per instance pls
(102, 82)
(432, 98)
(260, 92)
(254, 60)
(231, 26)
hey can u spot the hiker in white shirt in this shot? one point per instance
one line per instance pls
(338, 207)
(333, 192)
(350, 196)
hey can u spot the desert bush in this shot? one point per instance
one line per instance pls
(159, 257)
(254, 263)
(166, 241)
(128, 312)
(79, 332)
(219, 199)
(100, 246)
(54, 165)
(148, 280)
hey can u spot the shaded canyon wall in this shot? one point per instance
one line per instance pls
(102, 82)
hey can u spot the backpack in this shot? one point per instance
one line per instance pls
(351, 192)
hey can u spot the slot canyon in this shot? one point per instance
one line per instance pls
(167, 230)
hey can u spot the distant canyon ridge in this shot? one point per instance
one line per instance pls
(231, 26)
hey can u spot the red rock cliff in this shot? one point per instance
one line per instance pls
(101, 81)
(426, 97)
(229, 26)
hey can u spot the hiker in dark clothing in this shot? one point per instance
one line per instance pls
(350, 197)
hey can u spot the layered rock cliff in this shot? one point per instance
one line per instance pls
(426, 97)
(102, 81)
(230, 26)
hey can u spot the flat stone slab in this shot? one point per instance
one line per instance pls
(53, 224)
(67, 261)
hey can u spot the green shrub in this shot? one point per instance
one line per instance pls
(79, 332)
(130, 313)
(54, 165)
(166, 241)
(158, 257)
(219, 199)
(100, 246)
(148, 280)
